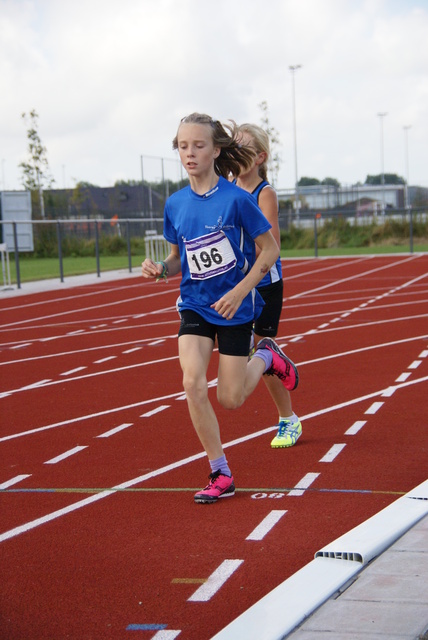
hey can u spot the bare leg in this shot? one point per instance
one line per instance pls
(195, 353)
(237, 379)
(280, 395)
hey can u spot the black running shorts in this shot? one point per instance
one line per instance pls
(268, 321)
(232, 340)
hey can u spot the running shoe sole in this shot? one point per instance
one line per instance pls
(274, 445)
(205, 499)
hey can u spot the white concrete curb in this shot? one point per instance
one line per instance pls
(286, 606)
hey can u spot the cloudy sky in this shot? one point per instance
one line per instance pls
(111, 79)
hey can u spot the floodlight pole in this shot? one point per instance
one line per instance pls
(381, 117)
(406, 157)
(293, 70)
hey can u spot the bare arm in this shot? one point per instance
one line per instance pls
(172, 263)
(268, 203)
(228, 304)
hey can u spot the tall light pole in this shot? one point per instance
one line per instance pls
(406, 157)
(381, 117)
(293, 70)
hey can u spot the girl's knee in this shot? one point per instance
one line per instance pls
(195, 388)
(229, 398)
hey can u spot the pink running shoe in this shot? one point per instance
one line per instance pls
(282, 366)
(220, 486)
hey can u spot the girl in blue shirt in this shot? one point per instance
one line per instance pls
(213, 227)
(254, 180)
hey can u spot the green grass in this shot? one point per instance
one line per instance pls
(44, 268)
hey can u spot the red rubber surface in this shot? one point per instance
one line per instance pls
(78, 363)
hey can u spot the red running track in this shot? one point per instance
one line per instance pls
(100, 537)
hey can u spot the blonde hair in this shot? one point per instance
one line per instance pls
(260, 142)
(233, 155)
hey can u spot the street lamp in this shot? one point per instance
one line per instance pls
(293, 70)
(406, 151)
(381, 117)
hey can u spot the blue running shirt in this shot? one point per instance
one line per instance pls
(215, 234)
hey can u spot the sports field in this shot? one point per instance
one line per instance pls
(100, 537)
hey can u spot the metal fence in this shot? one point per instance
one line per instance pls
(317, 220)
(60, 233)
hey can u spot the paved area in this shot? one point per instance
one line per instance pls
(388, 600)
(53, 284)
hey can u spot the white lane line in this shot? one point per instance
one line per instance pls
(121, 427)
(389, 392)
(14, 480)
(28, 387)
(266, 525)
(216, 580)
(119, 321)
(165, 634)
(355, 427)
(374, 407)
(157, 410)
(64, 455)
(155, 342)
(106, 359)
(303, 484)
(34, 385)
(415, 364)
(75, 333)
(332, 453)
(132, 350)
(71, 371)
(21, 346)
(423, 354)
(403, 377)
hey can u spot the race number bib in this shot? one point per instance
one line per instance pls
(209, 255)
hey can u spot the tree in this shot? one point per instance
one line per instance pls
(332, 182)
(35, 171)
(389, 178)
(274, 159)
(308, 182)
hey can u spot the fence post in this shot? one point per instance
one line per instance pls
(59, 240)
(410, 228)
(97, 247)
(128, 242)
(15, 242)
(317, 215)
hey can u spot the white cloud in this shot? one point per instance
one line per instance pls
(111, 80)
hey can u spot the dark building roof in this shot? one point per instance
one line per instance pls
(125, 201)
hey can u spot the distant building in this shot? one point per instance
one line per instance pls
(123, 201)
(366, 197)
